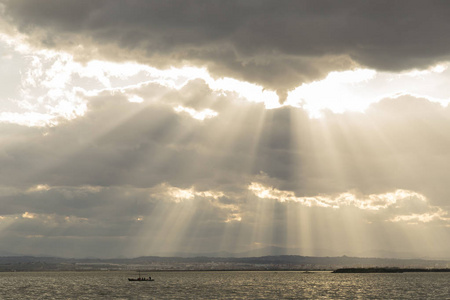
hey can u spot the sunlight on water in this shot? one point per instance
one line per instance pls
(223, 285)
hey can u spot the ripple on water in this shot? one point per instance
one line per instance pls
(224, 285)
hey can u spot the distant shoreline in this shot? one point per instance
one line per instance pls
(182, 264)
(337, 271)
(172, 271)
(388, 270)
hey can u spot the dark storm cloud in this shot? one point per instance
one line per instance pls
(278, 44)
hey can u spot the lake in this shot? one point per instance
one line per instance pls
(223, 285)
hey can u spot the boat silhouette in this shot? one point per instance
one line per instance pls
(141, 278)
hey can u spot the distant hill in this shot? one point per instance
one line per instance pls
(279, 251)
(276, 251)
(273, 262)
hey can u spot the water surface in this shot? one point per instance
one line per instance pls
(223, 285)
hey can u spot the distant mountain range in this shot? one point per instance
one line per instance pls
(275, 251)
(280, 251)
(155, 263)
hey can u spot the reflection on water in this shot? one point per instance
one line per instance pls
(224, 285)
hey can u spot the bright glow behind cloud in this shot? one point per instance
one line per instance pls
(52, 83)
(356, 90)
(374, 202)
(199, 115)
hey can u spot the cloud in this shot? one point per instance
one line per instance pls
(278, 45)
(147, 174)
(397, 206)
(397, 144)
(53, 86)
(164, 218)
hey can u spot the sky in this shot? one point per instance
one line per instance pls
(132, 128)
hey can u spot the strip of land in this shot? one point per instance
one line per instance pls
(263, 263)
(388, 270)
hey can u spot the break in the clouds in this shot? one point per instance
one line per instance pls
(155, 127)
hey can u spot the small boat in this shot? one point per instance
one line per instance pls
(141, 278)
